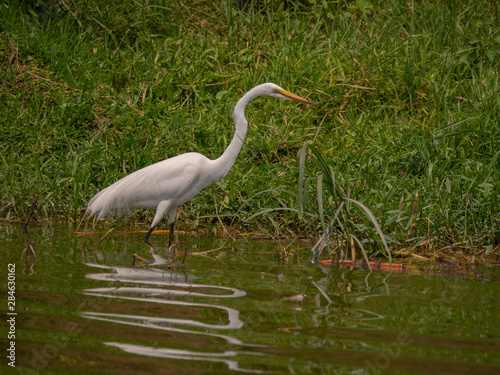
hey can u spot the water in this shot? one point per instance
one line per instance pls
(90, 307)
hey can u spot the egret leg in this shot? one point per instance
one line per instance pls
(171, 235)
(161, 210)
(148, 234)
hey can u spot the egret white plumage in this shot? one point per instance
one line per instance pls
(166, 185)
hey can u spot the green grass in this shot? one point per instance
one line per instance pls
(407, 119)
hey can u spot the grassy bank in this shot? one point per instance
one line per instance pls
(407, 119)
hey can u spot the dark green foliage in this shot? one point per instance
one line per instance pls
(407, 93)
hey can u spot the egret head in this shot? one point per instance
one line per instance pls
(271, 89)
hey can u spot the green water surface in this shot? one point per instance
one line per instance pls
(88, 307)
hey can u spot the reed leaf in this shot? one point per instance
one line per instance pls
(375, 223)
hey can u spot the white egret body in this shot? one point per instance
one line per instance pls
(166, 185)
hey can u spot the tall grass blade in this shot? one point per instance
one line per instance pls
(454, 124)
(317, 249)
(320, 201)
(302, 167)
(490, 169)
(375, 223)
(327, 171)
(362, 248)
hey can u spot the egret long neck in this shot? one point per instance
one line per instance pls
(226, 160)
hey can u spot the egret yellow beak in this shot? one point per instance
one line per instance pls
(290, 96)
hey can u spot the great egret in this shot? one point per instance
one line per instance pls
(166, 185)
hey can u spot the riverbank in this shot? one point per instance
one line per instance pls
(407, 121)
